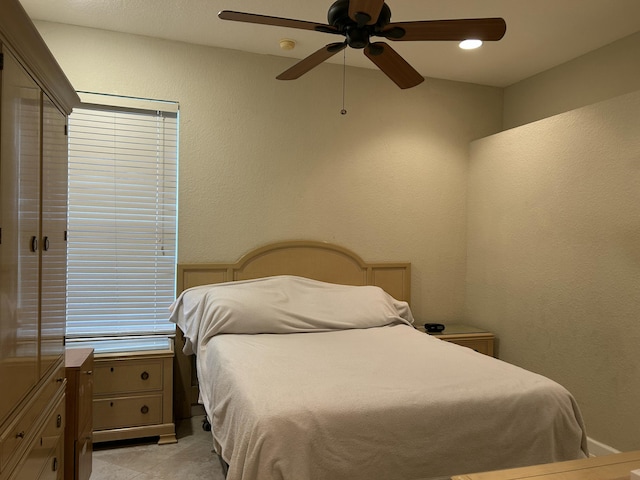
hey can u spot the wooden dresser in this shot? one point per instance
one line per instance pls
(35, 99)
(78, 439)
(133, 395)
(608, 467)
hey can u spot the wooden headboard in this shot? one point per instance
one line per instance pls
(317, 260)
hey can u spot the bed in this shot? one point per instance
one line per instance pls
(309, 367)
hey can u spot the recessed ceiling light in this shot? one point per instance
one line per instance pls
(470, 44)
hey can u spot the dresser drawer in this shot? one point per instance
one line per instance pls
(54, 428)
(44, 459)
(124, 412)
(42, 464)
(53, 467)
(17, 434)
(130, 376)
(15, 437)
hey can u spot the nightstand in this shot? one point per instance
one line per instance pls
(133, 395)
(466, 335)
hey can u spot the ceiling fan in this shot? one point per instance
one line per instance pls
(359, 20)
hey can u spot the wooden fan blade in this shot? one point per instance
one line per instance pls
(393, 65)
(275, 21)
(312, 61)
(486, 29)
(365, 12)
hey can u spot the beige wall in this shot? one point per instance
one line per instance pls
(263, 160)
(554, 256)
(605, 73)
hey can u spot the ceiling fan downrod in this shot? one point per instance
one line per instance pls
(357, 31)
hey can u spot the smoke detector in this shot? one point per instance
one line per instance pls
(287, 44)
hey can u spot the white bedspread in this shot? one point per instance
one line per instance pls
(380, 403)
(370, 401)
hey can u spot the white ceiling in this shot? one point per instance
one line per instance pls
(540, 33)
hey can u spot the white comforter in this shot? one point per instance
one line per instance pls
(382, 402)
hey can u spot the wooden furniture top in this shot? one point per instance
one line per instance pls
(457, 330)
(74, 357)
(608, 467)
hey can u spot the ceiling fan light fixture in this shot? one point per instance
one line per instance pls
(470, 44)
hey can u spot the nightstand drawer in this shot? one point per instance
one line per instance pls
(481, 345)
(124, 412)
(127, 377)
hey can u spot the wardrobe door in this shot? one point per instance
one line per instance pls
(54, 226)
(19, 241)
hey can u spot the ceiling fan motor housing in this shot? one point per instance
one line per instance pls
(338, 16)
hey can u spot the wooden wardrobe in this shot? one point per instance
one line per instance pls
(35, 100)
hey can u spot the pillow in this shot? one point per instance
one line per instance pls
(282, 304)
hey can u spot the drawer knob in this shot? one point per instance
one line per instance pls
(89, 372)
(144, 375)
(59, 421)
(20, 435)
(54, 465)
(144, 409)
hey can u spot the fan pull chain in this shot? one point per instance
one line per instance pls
(344, 79)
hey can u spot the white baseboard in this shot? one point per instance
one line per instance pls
(598, 449)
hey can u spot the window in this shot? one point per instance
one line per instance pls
(121, 249)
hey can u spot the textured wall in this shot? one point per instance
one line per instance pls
(604, 73)
(263, 160)
(554, 256)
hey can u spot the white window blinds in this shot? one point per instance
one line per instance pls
(122, 219)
